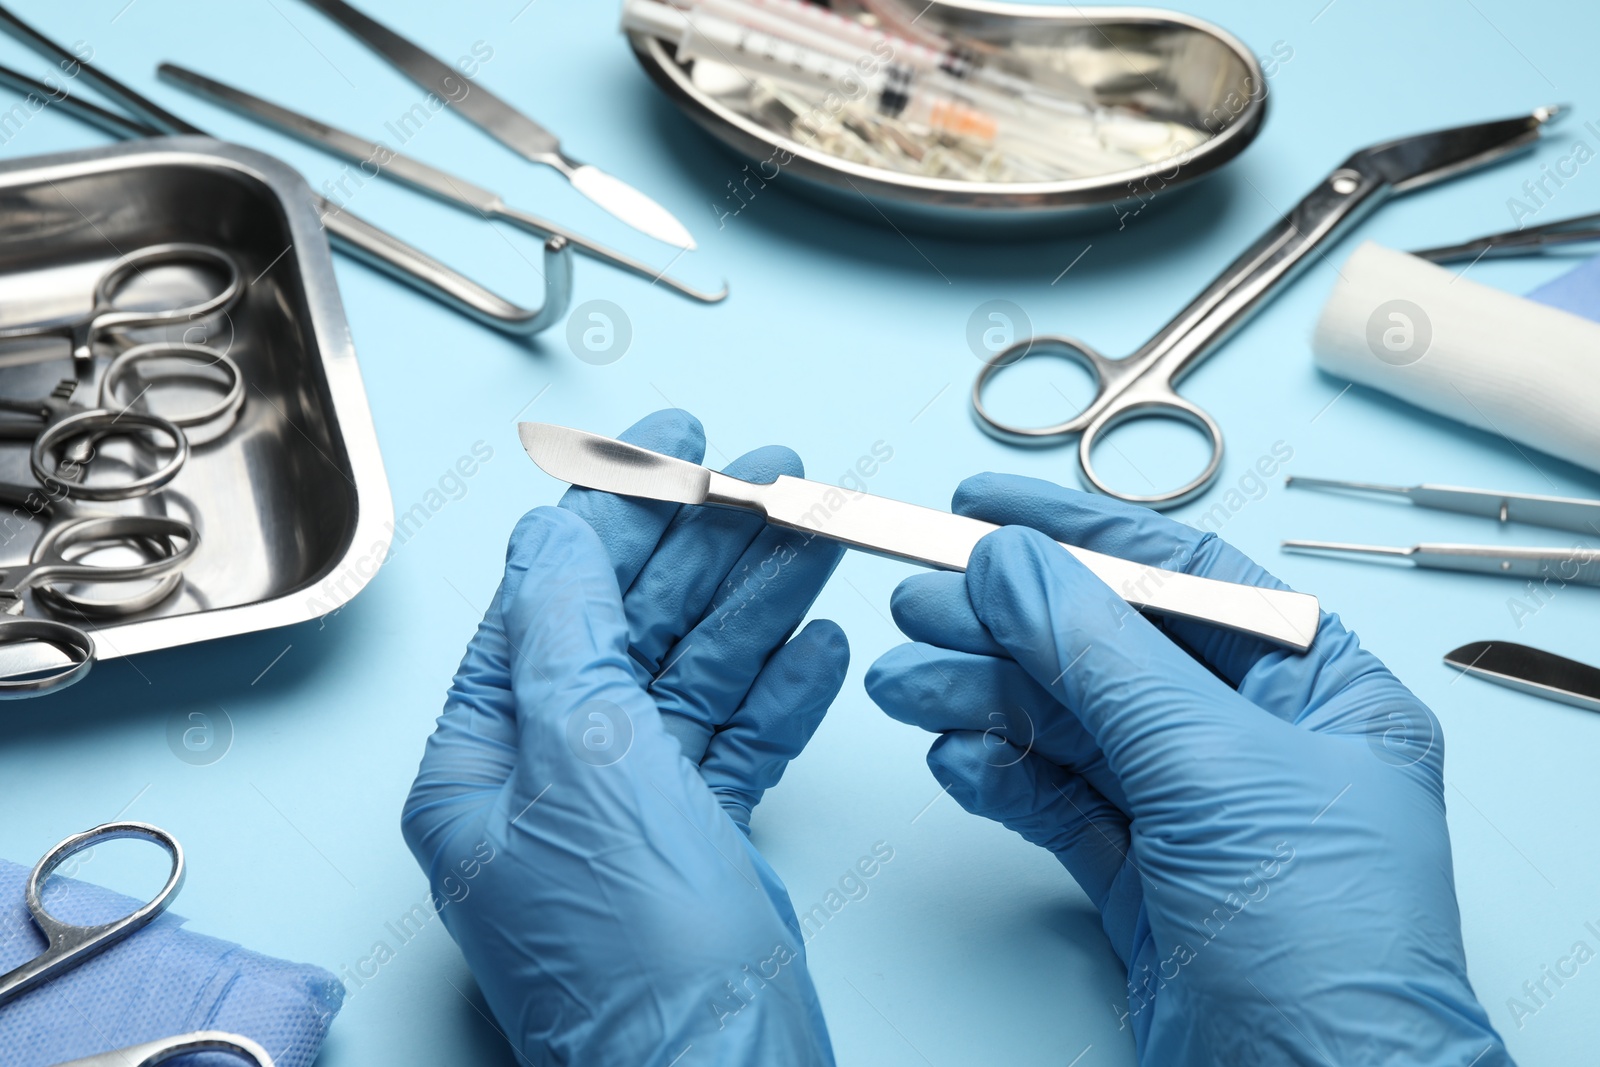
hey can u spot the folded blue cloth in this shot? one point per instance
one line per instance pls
(160, 982)
(1577, 291)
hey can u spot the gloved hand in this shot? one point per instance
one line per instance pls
(1263, 832)
(601, 885)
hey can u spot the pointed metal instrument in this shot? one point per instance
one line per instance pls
(424, 177)
(1563, 565)
(1556, 512)
(1530, 240)
(509, 126)
(1530, 670)
(904, 531)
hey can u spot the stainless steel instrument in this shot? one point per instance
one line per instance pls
(291, 507)
(60, 557)
(903, 531)
(1572, 564)
(353, 235)
(1144, 385)
(153, 1052)
(1162, 64)
(68, 944)
(1530, 670)
(60, 425)
(509, 126)
(421, 176)
(1529, 240)
(1556, 512)
(105, 315)
(1579, 565)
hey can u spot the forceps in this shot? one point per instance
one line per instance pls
(1526, 241)
(1144, 384)
(105, 315)
(69, 944)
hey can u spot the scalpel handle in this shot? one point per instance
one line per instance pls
(944, 541)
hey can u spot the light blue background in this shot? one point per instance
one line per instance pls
(972, 946)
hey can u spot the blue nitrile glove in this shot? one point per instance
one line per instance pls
(1263, 832)
(600, 884)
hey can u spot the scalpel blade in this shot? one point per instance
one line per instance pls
(1530, 670)
(904, 531)
(507, 125)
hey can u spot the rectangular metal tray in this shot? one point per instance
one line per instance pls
(292, 505)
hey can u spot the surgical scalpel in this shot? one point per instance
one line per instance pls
(904, 531)
(509, 126)
(355, 236)
(413, 172)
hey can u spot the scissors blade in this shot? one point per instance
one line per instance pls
(1414, 162)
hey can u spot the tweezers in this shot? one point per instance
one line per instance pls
(1526, 241)
(349, 233)
(1569, 564)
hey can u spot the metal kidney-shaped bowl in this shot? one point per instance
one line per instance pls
(1150, 61)
(291, 504)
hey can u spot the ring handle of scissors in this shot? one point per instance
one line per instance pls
(71, 642)
(158, 539)
(69, 944)
(152, 1053)
(54, 565)
(106, 316)
(203, 355)
(94, 425)
(1107, 374)
(1149, 401)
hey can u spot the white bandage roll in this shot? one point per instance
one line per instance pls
(1471, 353)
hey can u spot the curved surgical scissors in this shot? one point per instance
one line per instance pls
(1144, 385)
(105, 315)
(69, 944)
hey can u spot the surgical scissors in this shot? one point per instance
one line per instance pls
(153, 1052)
(104, 315)
(60, 424)
(69, 944)
(57, 558)
(1144, 385)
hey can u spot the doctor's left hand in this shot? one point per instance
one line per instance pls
(630, 694)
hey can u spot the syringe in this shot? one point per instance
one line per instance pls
(885, 86)
(844, 38)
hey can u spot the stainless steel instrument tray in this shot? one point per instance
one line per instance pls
(1162, 62)
(292, 504)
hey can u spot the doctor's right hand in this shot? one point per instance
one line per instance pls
(1263, 833)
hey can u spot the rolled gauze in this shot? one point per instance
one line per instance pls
(1480, 356)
